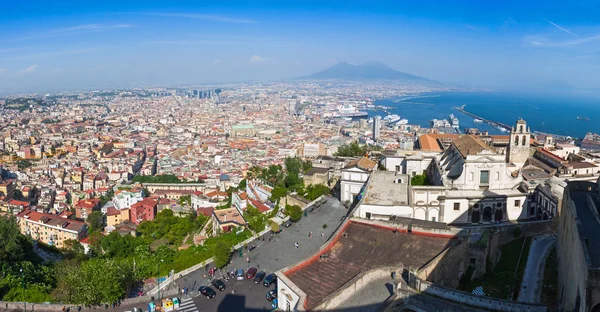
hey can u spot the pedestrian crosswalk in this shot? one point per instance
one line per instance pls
(187, 305)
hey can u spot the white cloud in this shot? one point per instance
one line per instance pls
(51, 54)
(29, 69)
(540, 41)
(561, 28)
(72, 30)
(257, 59)
(2, 70)
(217, 61)
(195, 42)
(297, 62)
(206, 17)
(333, 61)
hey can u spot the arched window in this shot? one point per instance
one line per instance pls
(521, 128)
(524, 140)
(497, 175)
(516, 140)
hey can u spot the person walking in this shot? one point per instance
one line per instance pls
(310, 234)
(296, 244)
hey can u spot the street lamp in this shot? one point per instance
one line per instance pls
(158, 279)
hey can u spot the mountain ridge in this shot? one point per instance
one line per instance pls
(373, 70)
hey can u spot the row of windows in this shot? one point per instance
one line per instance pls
(517, 205)
(523, 140)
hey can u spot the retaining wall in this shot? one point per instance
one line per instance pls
(338, 297)
(477, 301)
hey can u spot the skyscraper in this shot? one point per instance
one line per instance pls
(376, 127)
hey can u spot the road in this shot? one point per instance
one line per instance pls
(534, 270)
(269, 256)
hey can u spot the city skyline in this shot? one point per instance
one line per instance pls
(537, 45)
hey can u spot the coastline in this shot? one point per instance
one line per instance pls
(557, 116)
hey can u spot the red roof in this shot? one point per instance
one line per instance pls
(112, 211)
(207, 211)
(88, 203)
(18, 203)
(145, 202)
(260, 206)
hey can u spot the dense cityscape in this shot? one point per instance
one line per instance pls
(279, 156)
(113, 186)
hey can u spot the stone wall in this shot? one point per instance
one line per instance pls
(535, 228)
(447, 268)
(295, 200)
(331, 302)
(423, 230)
(477, 301)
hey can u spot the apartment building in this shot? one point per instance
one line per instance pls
(50, 229)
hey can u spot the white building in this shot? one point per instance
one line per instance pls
(472, 183)
(124, 199)
(354, 176)
(386, 195)
(408, 162)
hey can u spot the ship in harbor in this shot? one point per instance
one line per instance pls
(391, 119)
(583, 118)
(349, 111)
(402, 121)
(453, 121)
(477, 120)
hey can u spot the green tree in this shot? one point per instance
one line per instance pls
(221, 254)
(278, 192)
(419, 179)
(306, 166)
(13, 245)
(256, 220)
(295, 212)
(185, 200)
(242, 185)
(96, 221)
(315, 191)
(23, 164)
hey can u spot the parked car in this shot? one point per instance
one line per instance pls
(239, 274)
(219, 284)
(270, 279)
(207, 291)
(259, 277)
(274, 303)
(251, 272)
(272, 294)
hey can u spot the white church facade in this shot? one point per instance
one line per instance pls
(472, 183)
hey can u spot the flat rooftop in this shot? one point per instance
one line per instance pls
(364, 247)
(387, 189)
(589, 223)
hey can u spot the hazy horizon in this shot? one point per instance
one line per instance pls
(539, 46)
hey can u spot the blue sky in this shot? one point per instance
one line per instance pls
(69, 45)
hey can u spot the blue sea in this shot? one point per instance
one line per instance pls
(549, 114)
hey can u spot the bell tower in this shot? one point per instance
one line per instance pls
(518, 147)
